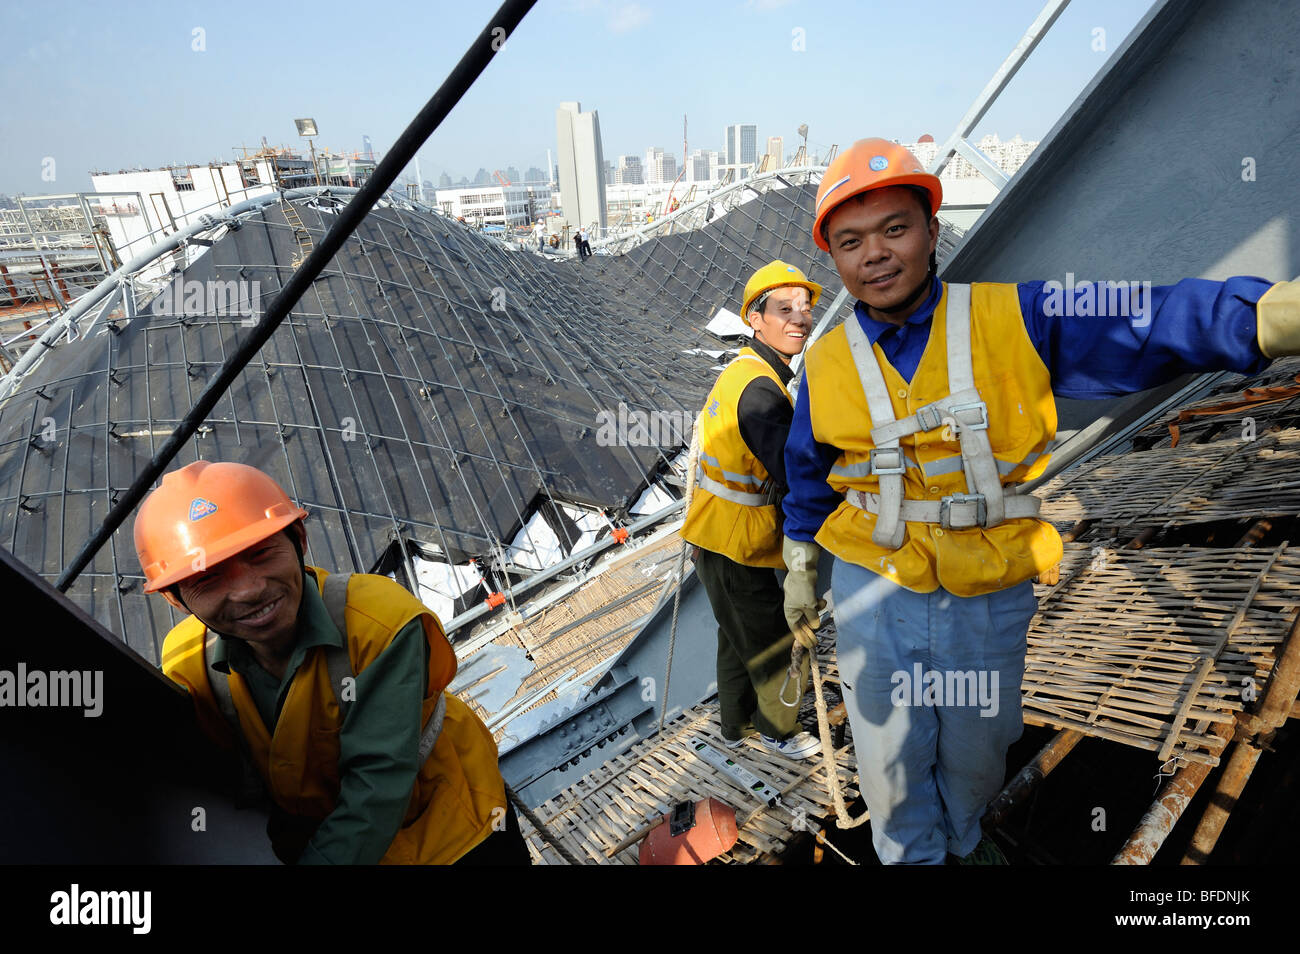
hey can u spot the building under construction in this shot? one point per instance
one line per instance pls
(435, 401)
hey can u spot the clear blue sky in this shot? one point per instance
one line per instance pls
(110, 86)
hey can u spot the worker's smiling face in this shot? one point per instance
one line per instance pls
(253, 595)
(881, 243)
(785, 321)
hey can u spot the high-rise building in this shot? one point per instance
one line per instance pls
(775, 152)
(654, 160)
(534, 175)
(581, 163)
(740, 149)
(660, 166)
(702, 166)
(444, 181)
(511, 173)
(1008, 156)
(629, 171)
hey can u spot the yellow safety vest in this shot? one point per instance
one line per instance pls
(730, 512)
(456, 789)
(1015, 388)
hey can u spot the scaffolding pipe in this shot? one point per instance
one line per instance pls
(113, 282)
(1029, 777)
(572, 560)
(1163, 815)
(638, 234)
(1274, 709)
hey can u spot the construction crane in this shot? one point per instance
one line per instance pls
(500, 178)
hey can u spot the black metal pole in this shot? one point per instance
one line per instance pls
(475, 60)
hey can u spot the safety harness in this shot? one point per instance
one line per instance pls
(967, 414)
(759, 499)
(334, 594)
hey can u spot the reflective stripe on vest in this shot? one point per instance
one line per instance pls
(334, 594)
(730, 510)
(726, 493)
(963, 410)
(729, 475)
(458, 790)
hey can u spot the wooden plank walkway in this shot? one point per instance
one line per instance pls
(1193, 483)
(597, 812)
(1151, 647)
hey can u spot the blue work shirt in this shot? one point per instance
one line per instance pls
(1195, 325)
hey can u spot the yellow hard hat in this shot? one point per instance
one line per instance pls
(775, 275)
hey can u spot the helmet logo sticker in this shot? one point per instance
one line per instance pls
(878, 163)
(200, 508)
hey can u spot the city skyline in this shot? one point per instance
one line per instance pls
(184, 84)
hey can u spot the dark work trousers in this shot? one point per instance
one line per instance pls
(754, 643)
(503, 847)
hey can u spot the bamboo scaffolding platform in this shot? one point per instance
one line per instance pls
(1147, 648)
(597, 813)
(1276, 415)
(1160, 649)
(1151, 647)
(1191, 483)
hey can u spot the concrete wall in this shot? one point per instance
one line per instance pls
(1149, 176)
(1144, 179)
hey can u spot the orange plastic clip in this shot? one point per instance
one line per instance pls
(495, 600)
(620, 534)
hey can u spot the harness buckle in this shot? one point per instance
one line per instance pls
(972, 512)
(929, 418)
(982, 424)
(888, 468)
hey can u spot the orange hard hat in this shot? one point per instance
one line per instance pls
(869, 164)
(204, 513)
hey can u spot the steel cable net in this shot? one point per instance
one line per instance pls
(434, 391)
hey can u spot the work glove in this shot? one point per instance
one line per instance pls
(805, 635)
(1277, 320)
(801, 603)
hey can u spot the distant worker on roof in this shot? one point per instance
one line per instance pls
(734, 517)
(333, 686)
(903, 461)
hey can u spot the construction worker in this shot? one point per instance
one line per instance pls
(332, 687)
(898, 458)
(734, 517)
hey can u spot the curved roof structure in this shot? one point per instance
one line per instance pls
(435, 387)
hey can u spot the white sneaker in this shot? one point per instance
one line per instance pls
(801, 745)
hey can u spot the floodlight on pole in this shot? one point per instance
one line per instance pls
(307, 129)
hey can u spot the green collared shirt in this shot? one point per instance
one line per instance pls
(378, 743)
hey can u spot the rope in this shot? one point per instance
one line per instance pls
(842, 817)
(821, 837)
(692, 459)
(540, 827)
(672, 632)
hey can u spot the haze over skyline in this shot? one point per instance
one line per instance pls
(156, 84)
